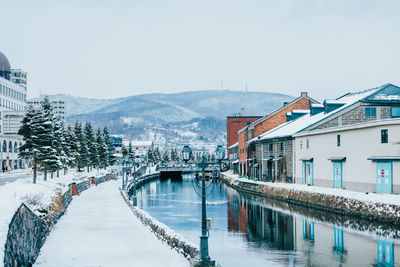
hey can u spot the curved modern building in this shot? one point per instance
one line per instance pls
(12, 110)
(5, 67)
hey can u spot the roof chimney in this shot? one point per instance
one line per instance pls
(304, 94)
(242, 112)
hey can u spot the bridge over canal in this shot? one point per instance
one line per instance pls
(175, 171)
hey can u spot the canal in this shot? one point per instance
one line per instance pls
(255, 231)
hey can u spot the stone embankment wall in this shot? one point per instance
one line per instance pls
(141, 181)
(385, 213)
(27, 232)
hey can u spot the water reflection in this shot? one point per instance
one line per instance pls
(254, 231)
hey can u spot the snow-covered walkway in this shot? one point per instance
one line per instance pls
(99, 229)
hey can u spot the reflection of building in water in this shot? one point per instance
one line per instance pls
(260, 225)
(385, 253)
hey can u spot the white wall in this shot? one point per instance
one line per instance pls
(357, 145)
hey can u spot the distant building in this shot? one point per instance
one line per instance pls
(57, 103)
(234, 124)
(12, 109)
(117, 141)
(19, 77)
(140, 148)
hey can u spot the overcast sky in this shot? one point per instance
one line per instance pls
(107, 49)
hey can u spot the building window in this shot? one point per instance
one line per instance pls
(9, 146)
(395, 112)
(370, 112)
(4, 146)
(308, 143)
(384, 136)
(338, 140)
(270, 147)
(15, 147)
(282, 146)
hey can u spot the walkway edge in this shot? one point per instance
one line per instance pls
(163, 232)
(385, 213)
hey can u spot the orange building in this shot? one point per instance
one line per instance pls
(267, 123)
(234, 124)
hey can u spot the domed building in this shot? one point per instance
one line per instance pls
(12, 110)
(5, 68)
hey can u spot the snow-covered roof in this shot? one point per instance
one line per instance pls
(137, 143)
(234, 145)
(292, 127)
(317, 105)
(305, 111)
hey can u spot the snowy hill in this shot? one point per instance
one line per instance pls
(177, 116)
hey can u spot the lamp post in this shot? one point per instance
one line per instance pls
(125, 163)
(205, 260)
(134, 200)
(220, 155)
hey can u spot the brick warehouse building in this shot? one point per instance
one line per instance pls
(263, 125)
(234, 124)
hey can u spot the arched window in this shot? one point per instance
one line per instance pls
(15, 147)
(9, 146)
(4, 146)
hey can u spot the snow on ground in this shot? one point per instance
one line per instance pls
(33, 195)
(372, 198)
(100, 230)
(15, 173)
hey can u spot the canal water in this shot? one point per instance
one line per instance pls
(255, 231)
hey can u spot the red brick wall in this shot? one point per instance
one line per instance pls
(233, 125)
(270, 123)
(279, 117)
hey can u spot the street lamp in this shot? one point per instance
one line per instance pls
(186, 153)
(125, 165)
(205, 260)
(134, 200)
(220, 154)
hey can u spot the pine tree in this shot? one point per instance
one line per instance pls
(91, 144)
(157, 155)
(110, 150)
(27, 151)
(43, 139)
(82, 155)
(70, 148)
(101, 149)
(124, 151)
(166, 156)
(58, 142)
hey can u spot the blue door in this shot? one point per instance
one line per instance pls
(384, 177)
(337, 174)
(303, 180)
(385, 253)
(310, 172)
(338, 238)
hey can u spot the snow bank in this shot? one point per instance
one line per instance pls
(383, 207)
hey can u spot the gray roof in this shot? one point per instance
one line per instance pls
(4, 63)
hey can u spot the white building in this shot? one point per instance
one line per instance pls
(361, 157)
(19, 77)
(12, 108)
(140, 148)
(354, 144)
(57, 103)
